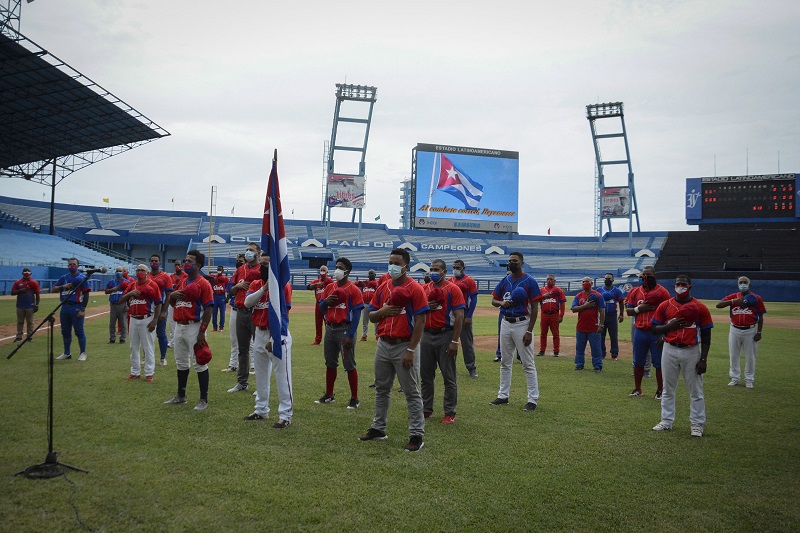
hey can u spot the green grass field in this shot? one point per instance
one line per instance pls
(585, 460)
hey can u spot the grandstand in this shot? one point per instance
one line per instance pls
(128, 236)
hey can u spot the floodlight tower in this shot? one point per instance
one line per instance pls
(362, 96)
(612, 110)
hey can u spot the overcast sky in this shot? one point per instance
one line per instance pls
(708, 86)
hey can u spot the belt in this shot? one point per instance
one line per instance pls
(742, 327)
(140, 317)
(680, 345)
(233, 308)
(438, 331)
(244, 309)
(549, 312)
(337, 324)
(514, 319)
(263, 328)
(395, 340)
(186, 322)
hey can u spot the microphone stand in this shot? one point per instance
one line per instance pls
(51, 467)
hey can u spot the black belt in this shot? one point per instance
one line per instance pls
(140, 317)
(395, 340)
(549, 312)
(244, 309)
(680, 345)
(337, 324)
(438, 331)
(514, 319)
(742, 327)
(186, 322)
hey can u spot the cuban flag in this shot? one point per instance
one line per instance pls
(455, 181)
(273, 241)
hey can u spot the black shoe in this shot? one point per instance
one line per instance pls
(354, 403)
(598, 370)
(499, 401)
(473, 373)
(578, 368)
(555, 354)
(325, 399)
(372, 385)
(497, 359)
(540, 354)
(254, 416)
(112, 341)
(281, 424)
(530, 406)
(373, 434)
(415, 444)
(122, 341)
(658, 395)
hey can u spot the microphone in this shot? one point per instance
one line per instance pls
(89, 272)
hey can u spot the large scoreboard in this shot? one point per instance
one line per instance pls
(736, 199)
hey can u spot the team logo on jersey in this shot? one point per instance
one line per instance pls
(549, 301)
(741, 311)
(134, 301)
(183, 303)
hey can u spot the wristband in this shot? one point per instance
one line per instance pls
(203, 327)
(636, 309)
(454, 341)
(412, 350)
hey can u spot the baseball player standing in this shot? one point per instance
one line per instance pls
(164, 282)
(245, 274)
(220, 288)
(553, 304)
(192, 300)
(368, 289)
(591, 311)
(680, 319)
(747, 320)
(440, 340)
(613, 298)
(469, 290)
(341, 303)
(318, 286)
(27, 291)
(73, 308)
(143, 298)
(517, 296)
(642, 302)
(399, 308)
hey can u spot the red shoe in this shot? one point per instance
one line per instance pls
(448, 419)
(215, 329)
(427, 415)
(316, 342)
(364, 338)
(149, 379)
(222, 329)
(132, 377)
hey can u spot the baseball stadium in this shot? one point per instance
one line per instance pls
(585, 459)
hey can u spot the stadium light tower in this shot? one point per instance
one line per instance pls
(362, 96)
(618, 201)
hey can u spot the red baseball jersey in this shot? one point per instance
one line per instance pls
(588, 319)
(384, 278)
(220, 284)
(640, 295)
(197, 295)
(149, 294)
(245, 273)
(175, 277)
(400, 325)
(163, 280)
(368, 288)
(553, 300)
(693, 311)
(469, 290)
(26, 300)
(749, 312)
(343, 311)
(261, 309)
(453, 300)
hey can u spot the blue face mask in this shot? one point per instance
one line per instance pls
(744, 287)
(188, 268)
(118, 275)
(395, 271)
(435, 277)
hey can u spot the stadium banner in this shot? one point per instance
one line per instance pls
(694, 190)
(616, 202)
(345, 190)
(462, 188)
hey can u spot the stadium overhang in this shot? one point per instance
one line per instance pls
(54, 120)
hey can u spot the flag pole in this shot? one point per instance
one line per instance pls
(433, 175)
(275, 156)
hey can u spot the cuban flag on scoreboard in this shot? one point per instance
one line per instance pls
(273, 241)
(455, 181)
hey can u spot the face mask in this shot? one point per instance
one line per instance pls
(609, 282)
(219, 274)
(141, 276)
(188, 268)
(744, 287)
(551, 283)
(73, 268)
(154, 265)
(457, 272)
(238, 264)
(339, 274)
(586, 286)
(264, 273)
(435, 277)
(514, 268)
(177, 269)
(118, 275)
(26, 275)
(395, 271)
(323, 274)
(649, 281)
(372, 277)
(249, 255)
(681, 290)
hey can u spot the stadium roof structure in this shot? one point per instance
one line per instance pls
(54, 120)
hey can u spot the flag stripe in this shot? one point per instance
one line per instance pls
(273, 241)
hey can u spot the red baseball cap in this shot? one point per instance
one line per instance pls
(400, 297)
(202, 354)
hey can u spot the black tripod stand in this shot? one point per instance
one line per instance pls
(51, 466)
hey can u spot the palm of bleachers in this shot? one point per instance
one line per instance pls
(40, 216)
(26, 248)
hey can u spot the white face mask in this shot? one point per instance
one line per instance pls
(395, 271)
(744, 287)
(339, 274)
(681, 290)
(457, 272)
(249, 255)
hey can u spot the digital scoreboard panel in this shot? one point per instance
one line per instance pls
(765, 198)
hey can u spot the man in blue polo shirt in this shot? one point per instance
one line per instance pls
(74, 297)
(117, 315)
(614, 298)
